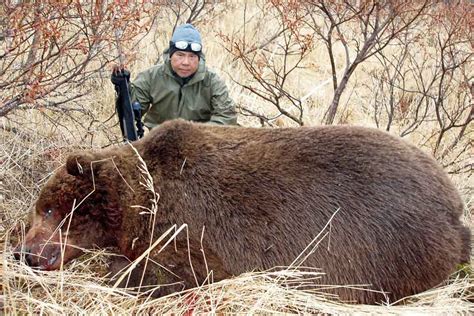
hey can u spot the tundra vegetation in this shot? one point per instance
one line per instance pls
(402, 66)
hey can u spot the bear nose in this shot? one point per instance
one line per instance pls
(19, 253)
(29, 259)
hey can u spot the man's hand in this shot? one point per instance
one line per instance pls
(119, 74)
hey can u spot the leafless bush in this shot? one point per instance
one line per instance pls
(54, 52)
(193, 11)
(364, 28)
(425, 83)
(272, 60)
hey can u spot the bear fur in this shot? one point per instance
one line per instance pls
(253, 199)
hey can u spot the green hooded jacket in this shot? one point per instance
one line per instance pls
(163, 96)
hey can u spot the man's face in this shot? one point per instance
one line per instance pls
(184, 64)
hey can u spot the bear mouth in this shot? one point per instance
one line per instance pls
(51, 262)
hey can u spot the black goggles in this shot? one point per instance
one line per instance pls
(183, 45)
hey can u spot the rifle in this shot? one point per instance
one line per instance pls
(129, 114)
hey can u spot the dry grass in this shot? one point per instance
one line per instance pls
(80, 289)
(35, 143)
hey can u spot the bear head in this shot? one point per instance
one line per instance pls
(76, 209)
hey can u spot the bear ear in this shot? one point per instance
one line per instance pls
(80, 163)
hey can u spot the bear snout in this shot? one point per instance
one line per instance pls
(18, 252)
(42, 257)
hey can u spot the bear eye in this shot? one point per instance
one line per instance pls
(48, 213)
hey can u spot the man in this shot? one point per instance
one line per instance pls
(183, 87)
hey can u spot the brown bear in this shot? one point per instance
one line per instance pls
(255, 198)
